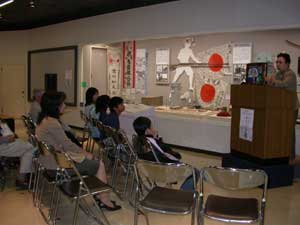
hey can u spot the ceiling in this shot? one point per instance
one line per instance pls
(20, 14)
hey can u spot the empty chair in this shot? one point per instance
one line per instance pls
(157, 189)
(224, 207)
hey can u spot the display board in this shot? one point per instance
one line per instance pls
(54, 68)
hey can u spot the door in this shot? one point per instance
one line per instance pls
(99, 69)
(12, 90)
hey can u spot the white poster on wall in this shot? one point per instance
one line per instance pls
(162, 56)
(141, 71)
(246, 124)
(241, 53)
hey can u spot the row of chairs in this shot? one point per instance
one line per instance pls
(64, 180)
(154, 184)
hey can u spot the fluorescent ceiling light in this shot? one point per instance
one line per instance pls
(3, 3)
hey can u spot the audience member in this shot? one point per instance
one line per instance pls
(10, 146)
(116, 107)
(100, 113)
(149, 145)
(50, 130)
(91, 96)
(35, 107)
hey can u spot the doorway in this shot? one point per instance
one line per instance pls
(12, 90)
(99, 69)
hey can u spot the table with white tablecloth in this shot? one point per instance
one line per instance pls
(195, 129)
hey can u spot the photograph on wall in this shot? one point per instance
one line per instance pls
(162, 66)
(162, 74)
(239, 73)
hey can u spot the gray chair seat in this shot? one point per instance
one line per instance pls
(169, 200)
(93, 183)
(229, 208)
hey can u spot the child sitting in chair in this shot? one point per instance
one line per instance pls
(149, 145)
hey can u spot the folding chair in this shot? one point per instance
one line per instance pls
(233, 209)
(77, 187)
(157, 189)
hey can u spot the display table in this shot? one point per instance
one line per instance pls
(198, 129)
(201, 130)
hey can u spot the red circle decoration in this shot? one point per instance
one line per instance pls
(207, 93)
(215, 62)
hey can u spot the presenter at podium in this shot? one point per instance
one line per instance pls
(285, 78)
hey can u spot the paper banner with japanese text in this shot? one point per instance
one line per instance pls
(128, 65)
(114, 71)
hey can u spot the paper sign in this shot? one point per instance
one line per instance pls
(246, 124)
(83, 84)
(69, 74)
(242, 53)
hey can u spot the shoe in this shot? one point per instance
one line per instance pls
(114, 208)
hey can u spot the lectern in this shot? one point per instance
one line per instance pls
(273, 110)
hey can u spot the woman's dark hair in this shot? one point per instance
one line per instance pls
(286, 57)
(89, 95)
(141, 124)
(114, 102)
(50, 105)
(102, 103)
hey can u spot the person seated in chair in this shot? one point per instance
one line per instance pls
(116, 107)
(91, 96)
(10, 146)
(35, 106)
(50, 131)
(100, 113)
(149, 145)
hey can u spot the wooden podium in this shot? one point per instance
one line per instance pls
(273, 122)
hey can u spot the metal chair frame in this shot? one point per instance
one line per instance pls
(140, 187)
(261, 212)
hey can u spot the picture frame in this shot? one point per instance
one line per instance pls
(162, 68)
(255, 73)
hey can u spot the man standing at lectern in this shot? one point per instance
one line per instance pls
(286, 78)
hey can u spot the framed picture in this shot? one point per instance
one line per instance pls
(256, 72)
(53, 69)
(162, 66)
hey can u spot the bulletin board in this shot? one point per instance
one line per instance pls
(58, 62)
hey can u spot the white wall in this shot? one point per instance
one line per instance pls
(171, 19)
(13, 47)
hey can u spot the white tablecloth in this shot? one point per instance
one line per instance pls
(194, 130)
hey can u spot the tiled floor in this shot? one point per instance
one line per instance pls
(16, 207)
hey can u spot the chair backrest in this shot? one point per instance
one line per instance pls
(233, 179)
(29, 124)
(125, 143)
(59, 156)
(150, 174)
(140, 145)
(44, 148)
(33, 140)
